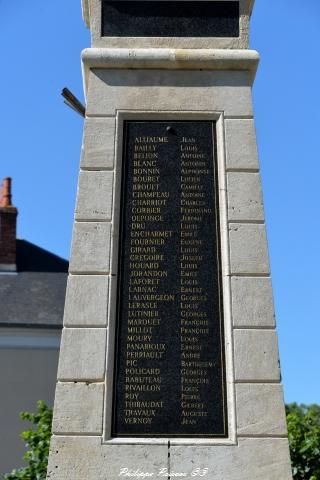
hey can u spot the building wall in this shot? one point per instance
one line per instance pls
(28, 369)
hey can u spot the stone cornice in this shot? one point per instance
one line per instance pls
(169, 59)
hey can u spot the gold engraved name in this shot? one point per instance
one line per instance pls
(194, 298)
(154, 234)
(191, 258)
(145, 148)
(140, 413)
(145, 156)
(142, 388)
(138, 421)
(192, 281)
(193, 373)
(190, 290)
(146, 194)
(139, 338)
(196, 381)
(146, 346)
(193, 155)
(142, 371)
(142, 289)
(185, 164)
(192, 203)
(164, 297)
(202, 364)
(145, 355)
(198, 405)
(149, 273)
(197, 171)
(190, 355)
(145, 163)
(195, 187)
(146, 305)
(143, 380)
(151, 140)
(149, 203)
(194, 314)
(147, 403)
(149, 179)
(146, 258)
(194, 414)
(190, 179)
(139, 330)
(188, 148)
(186, 396)
(194, 322)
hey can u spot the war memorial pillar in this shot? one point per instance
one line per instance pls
(169, 359)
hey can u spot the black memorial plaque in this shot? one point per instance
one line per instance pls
(170, 19)
(169, 360)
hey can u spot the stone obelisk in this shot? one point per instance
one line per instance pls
(169, 359)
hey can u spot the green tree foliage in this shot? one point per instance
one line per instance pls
(304, 438)
(37, 442)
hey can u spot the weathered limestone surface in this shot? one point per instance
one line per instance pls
(82, 354)
(241, 145)
(252, 303)
(248, 249)
(252, 459)
(244, 197)
(86, 301)
(256, 355)
(78, 408)
(98, 144)
(94, 199)
(90, 251)
(84, 458)
(109, 90)
(260, 410)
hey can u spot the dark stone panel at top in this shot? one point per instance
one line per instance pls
(170, 19)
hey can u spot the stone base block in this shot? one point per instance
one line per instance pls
(83, 458)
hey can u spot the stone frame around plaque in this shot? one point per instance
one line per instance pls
(218, 118)
(93, 17)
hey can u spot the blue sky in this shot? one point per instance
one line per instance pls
(40, 143)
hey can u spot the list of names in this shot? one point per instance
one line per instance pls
(170, 374)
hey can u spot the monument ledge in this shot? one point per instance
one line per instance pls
(170, 59)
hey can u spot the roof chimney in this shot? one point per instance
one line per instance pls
(8, 227)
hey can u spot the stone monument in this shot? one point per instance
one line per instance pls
(169, 360)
